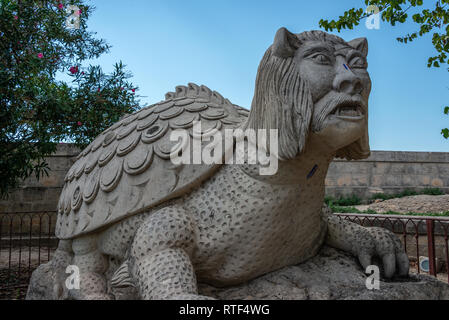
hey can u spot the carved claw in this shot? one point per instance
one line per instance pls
(380, 242)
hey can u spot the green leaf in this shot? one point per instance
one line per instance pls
(445, 133)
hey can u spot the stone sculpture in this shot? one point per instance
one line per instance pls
(130, 218)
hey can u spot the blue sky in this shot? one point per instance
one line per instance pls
(220, 43)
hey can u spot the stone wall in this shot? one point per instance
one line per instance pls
(384, 171)
(42, 195)
(389, 172)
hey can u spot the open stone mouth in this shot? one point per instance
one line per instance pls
(348, 110)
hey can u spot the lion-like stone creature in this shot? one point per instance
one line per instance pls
(131, 218)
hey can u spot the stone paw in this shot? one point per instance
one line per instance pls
(384, 244)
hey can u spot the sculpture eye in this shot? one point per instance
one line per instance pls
(321, 59)
(358, 62)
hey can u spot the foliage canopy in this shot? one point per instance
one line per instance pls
(43, 41)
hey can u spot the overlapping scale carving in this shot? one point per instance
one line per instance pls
(165, 147)
(97, 143)
(70, 174)
(196, 106)
(147, 122)
(79, 168)
(107, 154)
(77, 198)
(113, 127)
(154, 132)
(206, 129)
(214, 114)
(128, 144)
(86, 151)
(164, 106)
(91, 161)
(145, 113)
(129, 120)
(139, 160)
(184, 102)
(185, 121)
(125, 131)
(119, 174)
(111, 174)
(109, 138)
(171, 113)
(91, 187)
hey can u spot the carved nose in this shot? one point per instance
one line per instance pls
(348, 82)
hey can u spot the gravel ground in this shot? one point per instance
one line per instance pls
(26, 256)
(16, 279)
(442, 276)
(17, 282)
(418, 204)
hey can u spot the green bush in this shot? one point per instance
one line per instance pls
(433, 191)
(342, 209)
(407, 193)
(352, 200)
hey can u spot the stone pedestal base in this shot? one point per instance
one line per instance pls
(331, 275)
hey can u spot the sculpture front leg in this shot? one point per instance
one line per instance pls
(366, 243)
(160, 257)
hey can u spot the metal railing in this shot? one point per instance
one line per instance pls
(413, 230)
(27, 240)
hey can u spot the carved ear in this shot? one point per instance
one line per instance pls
(285, 43)
(360, 44)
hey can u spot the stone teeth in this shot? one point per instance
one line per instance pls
(348, 111)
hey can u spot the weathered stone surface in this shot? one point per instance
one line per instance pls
(331, 275)
(41, 283)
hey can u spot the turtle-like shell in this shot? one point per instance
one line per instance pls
(127, 169)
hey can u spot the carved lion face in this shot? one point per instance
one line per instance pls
(340, 85)
(314, 88)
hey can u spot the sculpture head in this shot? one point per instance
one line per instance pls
(314, 87)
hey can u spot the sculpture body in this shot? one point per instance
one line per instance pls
(129, 217)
